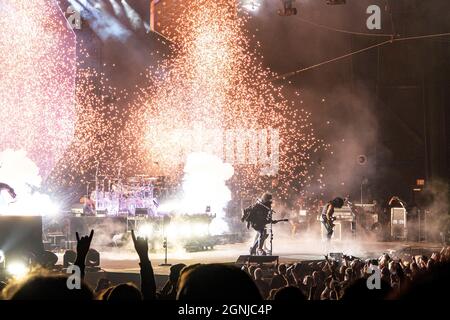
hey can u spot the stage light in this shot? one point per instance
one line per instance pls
(47, 259)
(69, 258)
(251, 5)
(93, 258)
(17, 269)
(51, 208)
(172, 231)
(185, 230)
(145, 231)
(361, 159)
(2, 256)
(200, 229)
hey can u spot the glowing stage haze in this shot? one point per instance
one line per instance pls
(204, 185)
(22, 174)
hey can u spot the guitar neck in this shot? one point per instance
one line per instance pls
(281, 220)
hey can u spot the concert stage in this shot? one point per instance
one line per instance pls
(289, 252)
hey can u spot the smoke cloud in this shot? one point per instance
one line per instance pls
(22, 174)
(204, 184)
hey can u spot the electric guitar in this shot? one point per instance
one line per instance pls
(329, 223)
(280, 220)
(257, 226)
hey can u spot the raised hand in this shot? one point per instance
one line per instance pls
(140, 245)
(435, 256)
(148, 284)
(84, 243)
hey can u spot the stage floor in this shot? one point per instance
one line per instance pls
(125, 260)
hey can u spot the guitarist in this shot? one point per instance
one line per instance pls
(327, 218)
(258, 216)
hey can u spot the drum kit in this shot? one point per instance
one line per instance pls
(118, 196)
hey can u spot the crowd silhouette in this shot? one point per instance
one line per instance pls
(421, 277)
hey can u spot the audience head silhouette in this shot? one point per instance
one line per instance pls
(217, 282)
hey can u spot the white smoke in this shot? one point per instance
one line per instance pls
(204, 184)
(22, 174)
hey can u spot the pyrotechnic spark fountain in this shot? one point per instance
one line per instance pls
(37, 81)
(204, 185)
(96, 130)
(213, 95)
(214, 85)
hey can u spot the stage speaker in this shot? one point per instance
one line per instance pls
(398, 223)
(248, 259)
(21, 235)
(93, 258)
(69, 258)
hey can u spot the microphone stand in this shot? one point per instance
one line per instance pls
(165, 264)
(271, 225)
(403, 204)
(96, 187)
(271, 233)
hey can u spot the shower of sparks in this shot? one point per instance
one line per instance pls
(211, 95)
(37, 81)
(99, 118)
(214, 84)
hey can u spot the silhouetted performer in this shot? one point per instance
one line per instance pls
(327, 217)
(258, 216)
